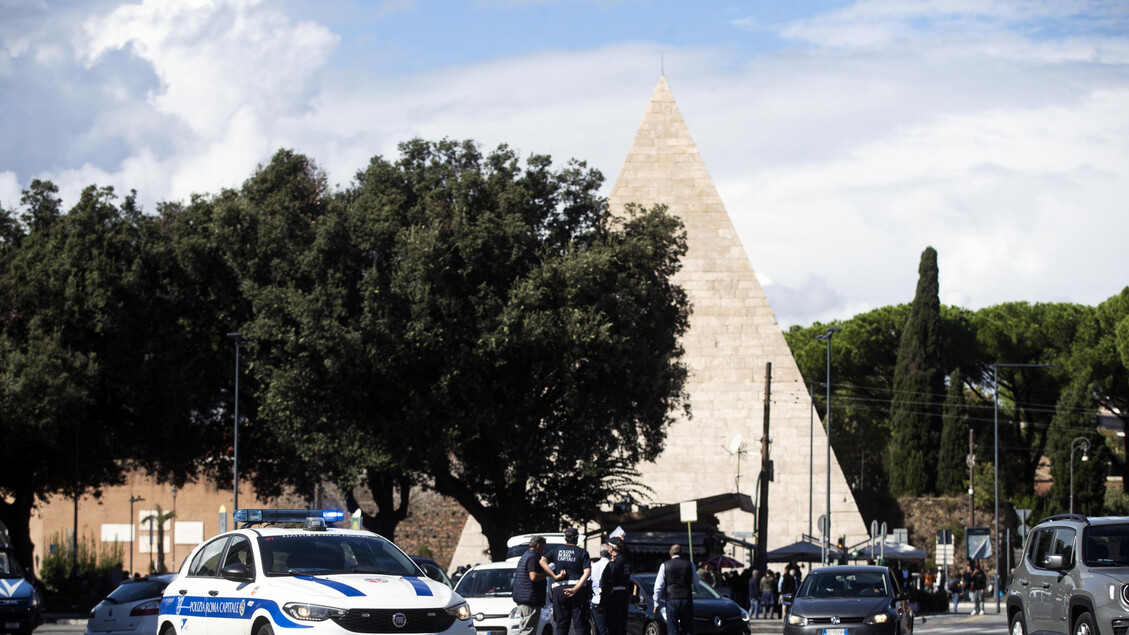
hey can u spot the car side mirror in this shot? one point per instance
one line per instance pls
(1056, 562)
(237, 572)
(787, 598)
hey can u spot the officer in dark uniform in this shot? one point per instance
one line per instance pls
(675, 583)
(615, 587)
(529, 585)
(570, 594)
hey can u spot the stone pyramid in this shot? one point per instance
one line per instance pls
(733, 333)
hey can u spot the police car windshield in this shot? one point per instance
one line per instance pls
(9, 567)
(1106, 545)
(324, 553)
(480, 583)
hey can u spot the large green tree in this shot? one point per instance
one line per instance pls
(952, 472)
(1073, 428)
(919, 382)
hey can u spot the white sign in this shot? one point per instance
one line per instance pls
(116, 532)
(689, 511)
(189, 532)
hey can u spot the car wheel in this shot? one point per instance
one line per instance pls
(1018, 624)
(1084, 625)
(167, 629)
(264, 629)
(652, 628)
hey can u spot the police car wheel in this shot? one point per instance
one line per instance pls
(265, 629)
(167, 629)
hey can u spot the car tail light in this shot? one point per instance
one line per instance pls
(152, 607)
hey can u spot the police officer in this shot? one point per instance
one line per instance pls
(529, 585)
(675, 581)
(570, 595)
(614, 585)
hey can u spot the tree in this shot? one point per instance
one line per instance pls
(1103, 353)
(156, 521)
(486, 327)
(1076, 418)
(952, 469)
(918, 384)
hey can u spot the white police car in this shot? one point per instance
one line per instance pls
(266, 580)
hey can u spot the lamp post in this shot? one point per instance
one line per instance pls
(831, 331)
(996, 462)
(1079, 442)
(172, 526)
(132, 528)
(238, 339)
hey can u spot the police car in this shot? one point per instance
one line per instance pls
(20, 607)
(265, 579)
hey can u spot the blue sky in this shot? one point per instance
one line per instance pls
(843, 136)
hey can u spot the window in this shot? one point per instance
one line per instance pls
(206, 563)
(240, 553)
(1040, 545)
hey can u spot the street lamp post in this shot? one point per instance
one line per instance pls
(132, 530)
(1079, 442)
(238, 339)
(831, 331)
(996, 462)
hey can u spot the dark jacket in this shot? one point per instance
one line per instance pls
(527, 591)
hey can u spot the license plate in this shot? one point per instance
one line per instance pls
(834, 631)
(8, 625)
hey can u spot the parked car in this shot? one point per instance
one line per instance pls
(130, 608)
(518, 545)
(21, 606)
(433, 570)
(713, 614)
(854, 600)
(1073, 577)
(488, 588)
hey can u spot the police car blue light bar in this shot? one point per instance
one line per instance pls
(330, 516)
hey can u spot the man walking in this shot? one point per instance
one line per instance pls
(614, 583)
(675, 582)
(570, 594)
(976, 590)
(529, 585)
(597, 574)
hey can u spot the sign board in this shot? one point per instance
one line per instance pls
(945, 554)
(824, 527)
(945, 537)
(1023, 515)
(689, 511)
(977, 543)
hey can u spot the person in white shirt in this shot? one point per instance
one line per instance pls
(597, 571)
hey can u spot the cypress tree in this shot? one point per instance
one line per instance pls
(919, 381)
(952, 469)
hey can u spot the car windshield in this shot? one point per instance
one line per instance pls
(479, 583)
(1106, 545)
(136, 590)
(702, 591)
(836, 584)
(317, 553)
(9, 567)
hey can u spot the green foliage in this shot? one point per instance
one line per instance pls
(918, 385)
(91, 561)
(1116, 502)
(952, 470)
(1073, 427)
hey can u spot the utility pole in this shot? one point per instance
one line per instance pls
(971, 480)
(766, 476)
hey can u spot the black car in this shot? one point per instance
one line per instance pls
(432, 569)
(852, 600)
(713, 614)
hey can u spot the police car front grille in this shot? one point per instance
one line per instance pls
(383, 620)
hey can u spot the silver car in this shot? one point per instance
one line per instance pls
(131, 608)
(1073, 578)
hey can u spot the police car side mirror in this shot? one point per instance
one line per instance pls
(237, 572)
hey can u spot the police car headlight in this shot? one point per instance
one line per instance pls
(312, 612)
(877, 618)
(459, 611)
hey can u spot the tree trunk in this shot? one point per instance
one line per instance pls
(385, 487)
(16, 516)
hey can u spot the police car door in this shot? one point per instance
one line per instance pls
(232, 606)
(198, 589)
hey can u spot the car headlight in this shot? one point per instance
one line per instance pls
(744, 615)
(459, 611)
(797, 620)
(312, 612)
(877, 618)
(514, 615)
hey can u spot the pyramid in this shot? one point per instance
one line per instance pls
(733, 333)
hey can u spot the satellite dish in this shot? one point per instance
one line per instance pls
(735, 444)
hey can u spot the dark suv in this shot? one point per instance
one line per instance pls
(1073, 578)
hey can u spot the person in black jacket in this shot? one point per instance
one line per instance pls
(675, 583)
(529, 585)
(614, 589)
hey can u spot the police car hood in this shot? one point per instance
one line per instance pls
(15, 589)
(365, 589)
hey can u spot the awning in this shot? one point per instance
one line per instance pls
(893, 551)
(660, 541)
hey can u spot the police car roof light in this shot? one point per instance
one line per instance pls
(272, 516)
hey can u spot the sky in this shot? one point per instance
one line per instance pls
(844, 137)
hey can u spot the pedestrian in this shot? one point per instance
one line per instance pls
(768, 593)
(954, 590)
(614, 585)
(788, 585)
(979, 583)
(529, 585)
(597, 613)
(570, 593)
(675, 584)
(755, 594)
